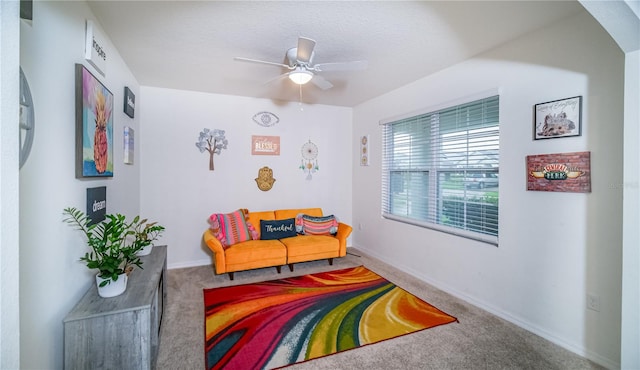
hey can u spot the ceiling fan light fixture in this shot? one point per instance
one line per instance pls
(300, 76)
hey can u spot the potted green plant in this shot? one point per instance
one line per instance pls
(114, 248)
(145, 234)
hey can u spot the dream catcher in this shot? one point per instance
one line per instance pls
(309, 163)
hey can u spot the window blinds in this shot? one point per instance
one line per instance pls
(432, 161)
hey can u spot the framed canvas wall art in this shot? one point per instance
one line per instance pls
(94, 126)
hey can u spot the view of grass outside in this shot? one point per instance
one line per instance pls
(468, 206)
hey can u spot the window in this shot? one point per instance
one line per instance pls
(441, 169)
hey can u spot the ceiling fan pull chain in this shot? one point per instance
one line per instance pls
(300, 101)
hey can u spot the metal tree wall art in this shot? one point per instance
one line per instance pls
(212, 141)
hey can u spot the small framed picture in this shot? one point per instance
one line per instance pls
(128, 144)
(558, 118)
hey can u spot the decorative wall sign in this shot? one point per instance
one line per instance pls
(96, 204)
(558, 118)
(212, 141)
(129, 102)
(94, 48)
(128, 145)
(364, 150)
(265, 179)
(265, 119)
(94, 126)
(265, 145)
(309, 164)
(567, 172)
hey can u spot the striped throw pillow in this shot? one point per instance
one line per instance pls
(326, 225)
(230, 228)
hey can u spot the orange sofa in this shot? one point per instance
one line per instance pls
(252, 254)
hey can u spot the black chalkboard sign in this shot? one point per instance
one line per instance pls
(96, 204)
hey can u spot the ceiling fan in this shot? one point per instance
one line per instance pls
(301, 67)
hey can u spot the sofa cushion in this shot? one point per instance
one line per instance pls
(310, 225)
(310, 245)
(277, 229)
(255, 254)
(230, 228)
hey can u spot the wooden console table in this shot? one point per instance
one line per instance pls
(121, 332)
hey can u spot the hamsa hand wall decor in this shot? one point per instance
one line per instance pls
(265, 179)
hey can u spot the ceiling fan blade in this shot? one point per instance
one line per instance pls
(321, 82)
(278, 77)
(305, 49)
(262, 62)
(341, 66)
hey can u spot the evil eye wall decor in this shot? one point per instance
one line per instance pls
(265, 119)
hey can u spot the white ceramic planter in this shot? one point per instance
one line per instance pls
(144, 251)
(114, 288)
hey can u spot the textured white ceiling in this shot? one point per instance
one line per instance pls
(190, 45)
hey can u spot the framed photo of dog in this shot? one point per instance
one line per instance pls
(558, 118)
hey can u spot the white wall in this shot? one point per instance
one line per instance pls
(179, 191)
(51, 277)
(9, 256)
(554, 247)
(630, 356)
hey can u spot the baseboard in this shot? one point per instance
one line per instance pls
(181, 265)
(577, 349)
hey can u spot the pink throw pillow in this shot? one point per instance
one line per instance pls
(231, 228)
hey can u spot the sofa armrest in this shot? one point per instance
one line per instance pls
(218, 252)
(344, 231)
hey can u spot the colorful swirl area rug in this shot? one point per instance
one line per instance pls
(281, 322)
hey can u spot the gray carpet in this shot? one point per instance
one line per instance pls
(479, 341)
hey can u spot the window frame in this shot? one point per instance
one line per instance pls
(433, 171)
